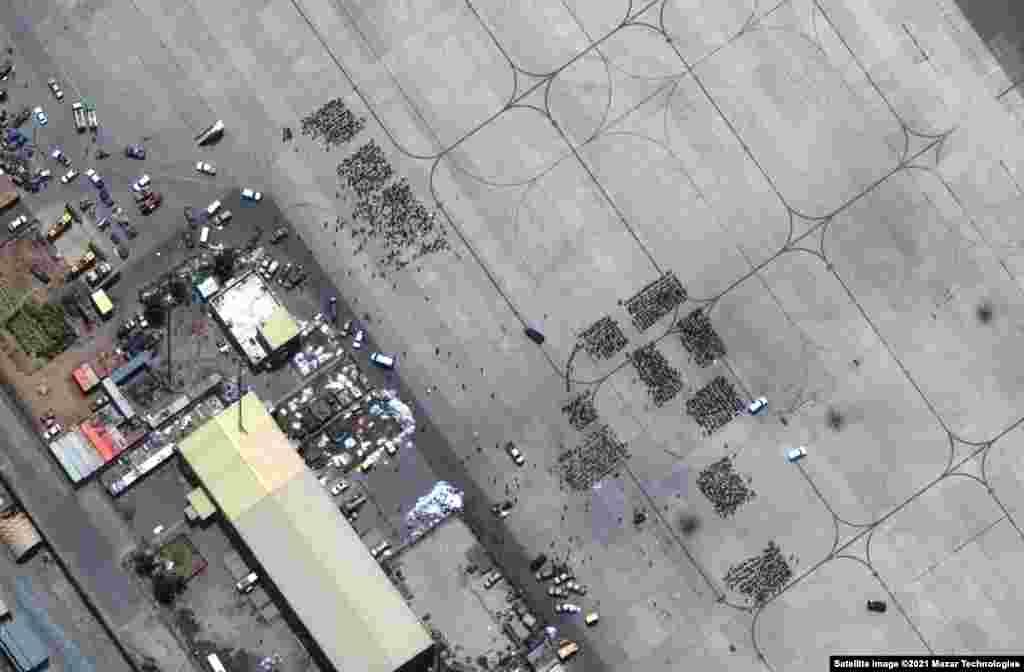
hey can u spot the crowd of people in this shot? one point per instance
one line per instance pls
(726, 489)
(714, 405)
(760, 577)
(655, 301)
(601, 451)
(367, 170)
(581, 410)
(332, 124)
(663, 382)
(387, 212)
(603, 339)
(699, 338)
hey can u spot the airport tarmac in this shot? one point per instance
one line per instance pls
(836, 181)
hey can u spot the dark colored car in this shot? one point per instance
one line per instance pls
(279, 234)
(129, 230)
(877, 606)
(122, 250)
(114, 238)
(538, 562)
(105, 198)
(135, 152)
(40, 274)
(534, 335)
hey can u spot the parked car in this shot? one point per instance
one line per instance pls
(55, 88)
(69, 176)
(382, 360)
(189, 239)
(122, 250)
(380, 549)
(106, 198)
(250, 195)
(357, 341)
(567, 649)
(545, 574)
(59, 156)
(41, 116)
(141, 183)
(339, 487)
(515, 454)
(280, 233)
(94, 177)
(757, 405)
(877, 606)
(135, 152)
(222, 218)
(538, 562)
(567, 608)
(206, 168)
(493, 579)
(555, 591)
(129, 230)
(151, 203)
(503, 509)
(574, 587)
(796, 454)
(17, 223)
(248, 583)
(591, 619)
(52, 431)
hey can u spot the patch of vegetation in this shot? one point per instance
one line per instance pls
(41, 330)
(187, 560)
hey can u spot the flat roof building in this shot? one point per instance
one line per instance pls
(260, 326)
(307, 549)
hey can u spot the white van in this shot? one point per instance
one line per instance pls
(204, 235)
(215, 663)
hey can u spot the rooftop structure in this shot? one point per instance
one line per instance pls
(255, 320)
(306, 548)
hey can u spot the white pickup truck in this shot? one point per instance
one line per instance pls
(80, 120)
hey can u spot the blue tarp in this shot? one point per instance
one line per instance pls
(131, 367)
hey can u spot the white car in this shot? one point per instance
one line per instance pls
(757, 405)
(382, 360)
(515, 454)
(41, 116)
(379, 550)
(18, 222)
(45, 174)
(141, 183)
(52, 431)
(207, 168)
(566, 608)
(68, 176)
(212, 208)
(796, 454)
(55, 87)
(94, 177)
(250, 195)
(339, 487)
(357, 342)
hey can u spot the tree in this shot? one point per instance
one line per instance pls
(179, 291)
(155, 314)
(167, 585)
(144, 561)
(224, 264)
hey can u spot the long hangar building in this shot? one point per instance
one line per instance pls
(308, 551)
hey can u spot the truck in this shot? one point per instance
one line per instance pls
(90, 116)
(79, 111)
